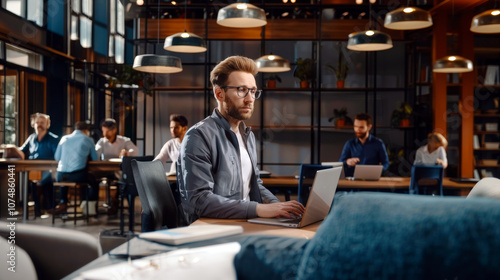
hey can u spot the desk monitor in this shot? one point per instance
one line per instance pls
(368, 172)
(319, 202)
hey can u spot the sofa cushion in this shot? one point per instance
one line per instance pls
(269, 257)
(397, 236)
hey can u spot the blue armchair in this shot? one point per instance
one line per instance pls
(385, 236)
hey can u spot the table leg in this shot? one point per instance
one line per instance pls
(23, 182)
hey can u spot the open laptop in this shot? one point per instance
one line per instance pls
(367, 172)
(335, 164)
(319, 202)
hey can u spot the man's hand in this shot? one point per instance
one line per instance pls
(352, 161)
(280, 209)
(123, 153)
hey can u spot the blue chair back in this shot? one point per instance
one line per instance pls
(306, 176)
(419, 172)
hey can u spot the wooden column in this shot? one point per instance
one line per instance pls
(439, 86)
(466, 39)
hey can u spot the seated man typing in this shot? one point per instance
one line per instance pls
(217, 168)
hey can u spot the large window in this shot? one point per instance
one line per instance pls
(8, 94)
(23, 57)
(29, 9)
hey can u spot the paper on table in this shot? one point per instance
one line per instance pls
(194, 263)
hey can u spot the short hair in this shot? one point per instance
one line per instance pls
(439, 138)
(220, 73)
(364, 117)
(108, 123)
(82, 126)
(35, 116)
(179, 119)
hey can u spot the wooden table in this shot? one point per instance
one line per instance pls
(257, 229)
(385, 183)
(22, 167)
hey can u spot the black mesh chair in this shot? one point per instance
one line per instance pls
(156, 196)
(306, 178)
(129, 190)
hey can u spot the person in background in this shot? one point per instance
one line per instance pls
(73, 153)
(112, 145)
(217, 171)
(42, 144)
(178, 128)
(434, 152)
(364, 148)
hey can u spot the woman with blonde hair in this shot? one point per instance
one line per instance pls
(434, 152)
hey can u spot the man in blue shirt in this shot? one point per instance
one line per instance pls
(40, 145)
(73, 153)
(365, 148)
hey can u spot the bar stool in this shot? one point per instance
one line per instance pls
(75, 186)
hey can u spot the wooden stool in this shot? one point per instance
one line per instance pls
(75, 186)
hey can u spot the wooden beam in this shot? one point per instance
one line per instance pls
(466, 105)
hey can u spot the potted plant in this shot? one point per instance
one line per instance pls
(272, 79)
(342, 68)
(340, 116)
(401, 116)
(305, 71)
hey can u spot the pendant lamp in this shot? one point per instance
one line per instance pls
(272, 64)
(160, 64)
(241, 15)
(453, 64)
(369, 40)
(486, 22)
(152, 63)
(408, 18)
(185, 42)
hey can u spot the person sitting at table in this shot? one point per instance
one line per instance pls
(112, 145)
(434, 152)
(364, 148)
(217, 171)
(73, 153)
(41, 144)
(170, 150)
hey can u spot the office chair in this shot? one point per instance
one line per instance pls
(306, 178)
(156, 196)
(55, 252)
(433, 179)
(129, 190)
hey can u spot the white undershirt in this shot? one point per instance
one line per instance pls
(246, 167)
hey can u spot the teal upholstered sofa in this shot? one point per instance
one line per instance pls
(385, 236)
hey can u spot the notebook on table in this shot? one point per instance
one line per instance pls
(319, 202)
(367, 172)
(335, 164)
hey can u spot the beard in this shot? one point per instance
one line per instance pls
(361, 135)
(233, 111)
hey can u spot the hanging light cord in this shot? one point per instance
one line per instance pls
(185, 15)
(158, 20)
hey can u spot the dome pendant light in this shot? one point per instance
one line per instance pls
(272, 64)
(408, 18)
(241, 15)
(160, 64)
(453, 64)
(486, 22)
(369, 40)
(157, 64)
(185, 42)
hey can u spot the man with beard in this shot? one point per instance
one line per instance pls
(217, 168)
(365, 148)
(170, 150)
(40, 145)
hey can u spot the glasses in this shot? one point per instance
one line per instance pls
(243, 91)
